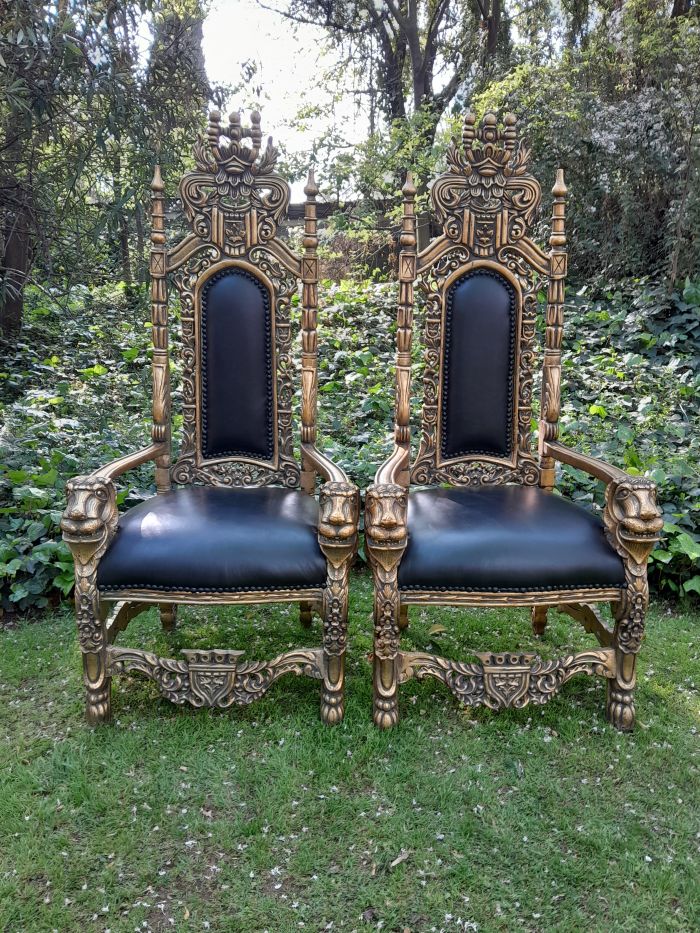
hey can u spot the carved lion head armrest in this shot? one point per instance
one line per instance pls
(339, 510)
(89, 521)
(386, 510)
(632, 519)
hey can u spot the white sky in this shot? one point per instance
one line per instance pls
(289, 62)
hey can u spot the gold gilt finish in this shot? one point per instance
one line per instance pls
(233, 201)
(486, 202)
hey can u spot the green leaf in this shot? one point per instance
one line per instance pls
(692, 585)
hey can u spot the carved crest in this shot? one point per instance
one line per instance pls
(487, 198)
(234, 199)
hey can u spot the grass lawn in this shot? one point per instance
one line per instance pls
(263, 819)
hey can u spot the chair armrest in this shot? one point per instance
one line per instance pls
(89, 521)
(338, 519)
(386, 532)
(591, 465)
(129, 461)
(632, 516)
(325, 467)
(389, 473)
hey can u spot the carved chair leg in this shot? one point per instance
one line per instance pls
(386, 651)
(629, 629)
(539, 620)
(335, 636)
(305, 614)
(98, 687)
(629, 615)
(168, 616)
(403, 618)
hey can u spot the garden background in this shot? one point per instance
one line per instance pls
(90, 95)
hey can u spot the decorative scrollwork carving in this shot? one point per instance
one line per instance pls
(214, 678)
(234, 203)
(506, 680)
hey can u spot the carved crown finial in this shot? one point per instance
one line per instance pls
(234, 199)
(487, 197)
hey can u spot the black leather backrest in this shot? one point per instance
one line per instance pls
(478, 366)
(237, 367)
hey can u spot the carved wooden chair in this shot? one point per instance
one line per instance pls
(488, 530)
(235, 519)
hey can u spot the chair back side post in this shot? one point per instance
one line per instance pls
(159, 320)
(551, 371)
(404, 335)
(309, 336)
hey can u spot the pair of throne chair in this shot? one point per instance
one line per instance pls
(472, 520)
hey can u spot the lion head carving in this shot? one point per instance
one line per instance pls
(91, 513)
(386, 514)
(338, 509)
(633, 517)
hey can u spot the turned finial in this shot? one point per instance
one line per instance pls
(409, 188)
(559, 190)
(311, 189)
(157, 183)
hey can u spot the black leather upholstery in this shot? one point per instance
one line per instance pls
(507, 538)
(237, 367)
(477, 397)
(204, 538)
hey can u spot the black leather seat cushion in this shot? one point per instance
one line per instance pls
(204, 538)
(507, 538)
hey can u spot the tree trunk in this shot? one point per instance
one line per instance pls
(14, 267)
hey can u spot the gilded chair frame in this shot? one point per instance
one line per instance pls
(234, 201)
(486, 202)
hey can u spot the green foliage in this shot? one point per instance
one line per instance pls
(76, 393)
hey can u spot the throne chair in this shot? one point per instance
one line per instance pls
(237, 517)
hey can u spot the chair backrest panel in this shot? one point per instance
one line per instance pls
(236, 279)
(236, 367)
(479, 280)
(478, 366)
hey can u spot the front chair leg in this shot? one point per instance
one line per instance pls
(633, 524)
(386, 650)
(386, 539)
(629, 630)
(339, 505)
(335, 627)
(88, 525)
(168, 616)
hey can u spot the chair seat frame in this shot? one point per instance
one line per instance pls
(486, 202)
(234, 202)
